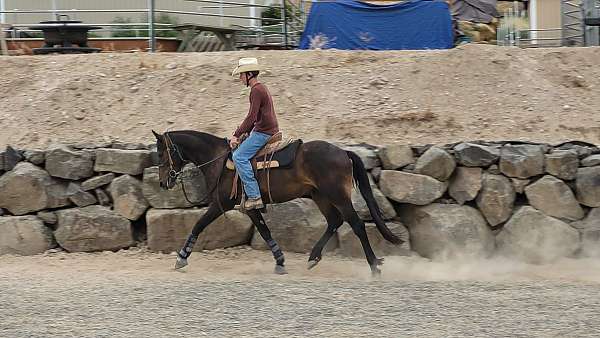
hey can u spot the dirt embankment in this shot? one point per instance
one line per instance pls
(414, 97)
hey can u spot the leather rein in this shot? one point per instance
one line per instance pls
(178, 175)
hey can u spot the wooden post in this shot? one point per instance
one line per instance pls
(3, 45)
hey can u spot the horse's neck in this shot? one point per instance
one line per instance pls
(201, 150)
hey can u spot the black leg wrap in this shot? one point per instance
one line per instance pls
(186, 251)
(277, 254)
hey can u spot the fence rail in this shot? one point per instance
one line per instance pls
(286, 27)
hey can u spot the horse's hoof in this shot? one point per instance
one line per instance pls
(181, 262)
(280, 270)
(375, 272)
(312, 263)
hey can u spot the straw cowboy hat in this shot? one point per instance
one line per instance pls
(246, 65)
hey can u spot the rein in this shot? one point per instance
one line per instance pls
(178, 175)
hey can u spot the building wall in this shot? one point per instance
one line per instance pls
(546, 14)
(99, 18)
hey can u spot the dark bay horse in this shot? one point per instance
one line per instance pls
(321, 171)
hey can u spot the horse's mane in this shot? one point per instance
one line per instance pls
(197, 134)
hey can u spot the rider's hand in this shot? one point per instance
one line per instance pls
(234, 142)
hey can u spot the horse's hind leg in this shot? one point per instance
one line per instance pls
(265, 233)
(358, 226)
(334, 221)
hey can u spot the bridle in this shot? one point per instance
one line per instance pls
(177, 175)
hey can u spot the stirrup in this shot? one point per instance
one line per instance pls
(250, 204)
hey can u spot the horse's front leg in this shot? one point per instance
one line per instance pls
(211, 214)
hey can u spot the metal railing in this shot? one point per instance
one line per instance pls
(535, 38)
(289, 27)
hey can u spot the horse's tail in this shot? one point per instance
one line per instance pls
(362, 180)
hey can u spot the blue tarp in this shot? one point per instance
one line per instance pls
(350, 24)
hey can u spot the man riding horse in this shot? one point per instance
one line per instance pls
(261, 123)
(316, 169)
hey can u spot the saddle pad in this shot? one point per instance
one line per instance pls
(281, 159)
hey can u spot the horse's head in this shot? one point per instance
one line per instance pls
(171, 160)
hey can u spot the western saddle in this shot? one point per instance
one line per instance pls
(263, 160)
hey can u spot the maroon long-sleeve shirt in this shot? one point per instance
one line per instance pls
(261, 115)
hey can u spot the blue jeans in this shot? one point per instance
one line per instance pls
(241, 158)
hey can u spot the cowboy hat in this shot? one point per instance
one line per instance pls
(246, 65)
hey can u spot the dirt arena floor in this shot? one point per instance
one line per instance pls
(233, 292)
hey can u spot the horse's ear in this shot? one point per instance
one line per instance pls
(156, 134)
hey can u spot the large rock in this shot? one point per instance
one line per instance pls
(441, 231)
(437, 163)
(496, 198)
(554, 198)
(79, 197)
(368, 156)
(562, 164)
(37, 157)
(103, 197)
(591, 161)
(63, 162)
(350, 244)
(534, 237)
(396, 156)
(296, 226)
(93, 228)
(476, 155)
(589, 228)
(132, 162)
(97, 182)
(57, 194)
(127, 196)
(24, 235)
(465, 184)
(195, 188)
(10, 158)
(410, 188)
(28, 188)
(48, 217)
(519, 184)
(587, 184)
(582, 151)
(169, 229)
(359, 204)
(522, 161)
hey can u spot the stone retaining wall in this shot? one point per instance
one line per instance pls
(536, 202)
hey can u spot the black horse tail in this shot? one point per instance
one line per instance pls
(362, 180)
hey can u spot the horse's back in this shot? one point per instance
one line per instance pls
(320, 157)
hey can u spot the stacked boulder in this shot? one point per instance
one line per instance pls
(536, 202)
(525, 200)
(85, 199)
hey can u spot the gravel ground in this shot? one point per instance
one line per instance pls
(230, 293)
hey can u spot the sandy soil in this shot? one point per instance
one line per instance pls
(414, 97)
(233, 292)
